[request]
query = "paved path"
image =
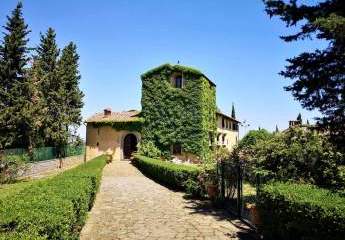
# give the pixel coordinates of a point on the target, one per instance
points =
(131, 206)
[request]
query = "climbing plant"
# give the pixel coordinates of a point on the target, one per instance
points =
(185, 116)
(135, 125)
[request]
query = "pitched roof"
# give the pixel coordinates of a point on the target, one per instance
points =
(224, 115)
(125, 116)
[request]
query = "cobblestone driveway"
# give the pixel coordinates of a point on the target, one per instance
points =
(131, 206)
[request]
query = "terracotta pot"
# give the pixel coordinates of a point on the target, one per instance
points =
(254, 214)
(212, 190)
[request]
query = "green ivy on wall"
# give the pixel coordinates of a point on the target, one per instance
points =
(185, 116)
(135, 125)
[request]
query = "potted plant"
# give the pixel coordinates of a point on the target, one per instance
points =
(209, 179)
(253, 213)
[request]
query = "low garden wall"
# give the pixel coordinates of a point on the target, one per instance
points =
(47, 167)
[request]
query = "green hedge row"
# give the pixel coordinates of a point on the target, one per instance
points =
(173, 175)
(301, 211)
(55, 208)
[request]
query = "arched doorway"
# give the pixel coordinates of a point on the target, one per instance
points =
(129, 145)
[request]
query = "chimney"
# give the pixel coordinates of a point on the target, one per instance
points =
(107, 112)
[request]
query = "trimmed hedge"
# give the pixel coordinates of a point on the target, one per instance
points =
(54, 208)
(173, 175)
(300, 211)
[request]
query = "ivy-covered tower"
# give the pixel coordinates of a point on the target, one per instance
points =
(179, 111)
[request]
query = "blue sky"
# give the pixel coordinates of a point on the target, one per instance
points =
(233, 42)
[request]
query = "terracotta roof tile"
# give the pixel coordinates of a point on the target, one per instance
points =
(126, 116)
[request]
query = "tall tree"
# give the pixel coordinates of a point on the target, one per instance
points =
(14, 85)
(319, 75)
(277, 129)
(233, 113)
(69, 76)
(53, 91)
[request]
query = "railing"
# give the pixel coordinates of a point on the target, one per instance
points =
(45, 153)
(238, 191)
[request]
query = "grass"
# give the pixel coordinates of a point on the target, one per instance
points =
(249, 193)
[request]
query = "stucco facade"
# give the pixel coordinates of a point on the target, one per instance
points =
(227, 131)
(112, 133)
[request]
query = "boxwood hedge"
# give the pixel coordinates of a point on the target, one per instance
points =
(176, 176)
(301, 211)
(54, 208)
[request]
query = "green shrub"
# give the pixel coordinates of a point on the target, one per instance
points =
(149, 149)
(11, 167)
(297, 154)
(177, 176)
(54, 208)
(253, 137)
(291, 211)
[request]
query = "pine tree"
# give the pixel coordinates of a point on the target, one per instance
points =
(69, 75)
(53, 92)
(14, 94)
(277, 130)
(233, 113)
(308, 122)
(299, 118)
(319, 75)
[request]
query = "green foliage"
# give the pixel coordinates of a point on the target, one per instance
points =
(129, 126)
(253, 137)
(14, 85)
(298, 211)
(185, 116)
(11, 166)
(54, 208)
(233, 113)
(177, 176)
(68, 74)
(149, 149)
(318, 75)
(41, 102)
(297, 154)
(222, 153)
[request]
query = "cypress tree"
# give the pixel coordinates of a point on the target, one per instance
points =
(233, 113)
(318, 75)
(53, 92)
(69, 75)
(277, 129)
(299, 118)
(14, 95)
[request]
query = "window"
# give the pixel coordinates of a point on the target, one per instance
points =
(176, 149)
(178, 81)
(97, 144)
(223, 123)
(235, 126)
(223, 139)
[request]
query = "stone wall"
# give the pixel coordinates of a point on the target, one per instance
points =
(50, 167)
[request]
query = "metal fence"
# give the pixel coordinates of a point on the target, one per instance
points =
(238, 190)
(46, 153)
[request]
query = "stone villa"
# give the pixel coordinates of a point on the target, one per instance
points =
(179, 115)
